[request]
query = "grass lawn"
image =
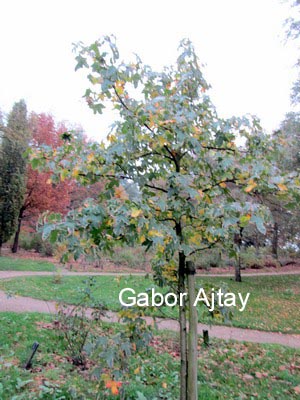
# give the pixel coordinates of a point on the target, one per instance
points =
(227, 370)
(274, 303)
(20, 264)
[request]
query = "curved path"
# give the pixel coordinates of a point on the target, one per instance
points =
(16, 274)
(28, 304)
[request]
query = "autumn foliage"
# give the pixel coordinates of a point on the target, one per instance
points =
(41, 194)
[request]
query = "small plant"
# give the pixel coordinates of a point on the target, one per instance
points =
(75, 323)
(57, 276)
(113, 353)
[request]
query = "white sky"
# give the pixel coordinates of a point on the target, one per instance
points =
(241, 42)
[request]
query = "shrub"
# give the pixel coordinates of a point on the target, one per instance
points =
(75, 323)
(210, 259)
(250, 259)
(34, 241)
(131, 257)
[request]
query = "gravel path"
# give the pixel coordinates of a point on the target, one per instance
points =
(27, 304)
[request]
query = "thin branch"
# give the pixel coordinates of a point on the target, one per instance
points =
(128, 109)
(156, 188)
(203, 248)
(168, 219)
(218, 148)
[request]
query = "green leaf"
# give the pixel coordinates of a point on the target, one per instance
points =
(258, 221)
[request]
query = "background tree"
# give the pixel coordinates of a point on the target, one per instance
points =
(41, 194)
(15, 137)
(170, 143)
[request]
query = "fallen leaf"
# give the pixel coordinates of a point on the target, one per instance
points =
(247, 377)
(297, 389)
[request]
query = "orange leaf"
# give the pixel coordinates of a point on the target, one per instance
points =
(120, 193)
(251, 186)
(113, 386)
(282, 187)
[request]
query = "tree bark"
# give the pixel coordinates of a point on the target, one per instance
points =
(192, 386)
(275, 241)
(15, 245)
(183, 330)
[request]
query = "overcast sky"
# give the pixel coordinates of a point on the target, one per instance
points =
(241, 43)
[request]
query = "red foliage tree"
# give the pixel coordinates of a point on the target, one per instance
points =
(41, 195)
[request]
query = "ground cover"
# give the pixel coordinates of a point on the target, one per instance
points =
(227, 370)
(273, 303)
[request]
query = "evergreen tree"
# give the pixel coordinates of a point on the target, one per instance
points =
(14, 141)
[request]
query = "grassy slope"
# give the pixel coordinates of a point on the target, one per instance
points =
(273, 304)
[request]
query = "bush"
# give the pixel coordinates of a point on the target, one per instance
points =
(209, 259)
(250, 259)
(131, 257)
(34, 241)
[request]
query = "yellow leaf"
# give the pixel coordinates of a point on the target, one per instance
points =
(137, 371)
(142, 239)
(91, 157)
(210, 239)
(161, 248)
(164, 385)
(75, 172)
(223, 185)
(63, 174)
(282, 187)
(161, 140)
(111, 138)
(136, 213)
(154, 232)
(120, 87)
(196, 239)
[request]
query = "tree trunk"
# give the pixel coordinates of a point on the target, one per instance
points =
(237, 272)
(183, 330)
(192, 387)
(275, 241)
(238, 242)
(15, 245)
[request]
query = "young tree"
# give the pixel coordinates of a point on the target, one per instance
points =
(182, 158)
(15, 137)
